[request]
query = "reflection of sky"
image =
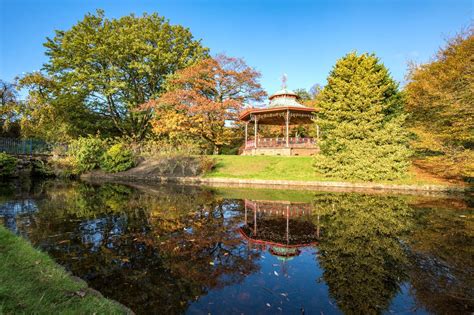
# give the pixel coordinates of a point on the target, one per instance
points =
(404, 302)
(278, 286)
(94, 231)
(10, 210)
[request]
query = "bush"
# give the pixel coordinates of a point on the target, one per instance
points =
(64, 166)
(87, 153)
(40, 168)
(118, 158)
(7, 165)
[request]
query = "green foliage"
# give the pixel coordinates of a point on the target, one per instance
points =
(41, 168)
(32, 283)
(9, 107)
(440, 98)
(116, 65)
(87, 153)
(53, 113)
(7, 165)
(362, 122)
(361, 254)
(117, 158)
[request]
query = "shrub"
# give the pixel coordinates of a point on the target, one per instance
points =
(206, 164)
(7, 165)
(118, 158)
(40, 168)
(87, 153)
(64, 166)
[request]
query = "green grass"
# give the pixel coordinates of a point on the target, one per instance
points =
(264, 167)
(265, 194)
(292, 168)
(32, 283)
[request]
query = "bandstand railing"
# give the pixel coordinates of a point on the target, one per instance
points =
(294, 142)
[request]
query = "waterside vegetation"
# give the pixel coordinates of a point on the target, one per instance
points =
(32, 283)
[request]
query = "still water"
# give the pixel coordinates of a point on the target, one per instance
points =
(182, 249)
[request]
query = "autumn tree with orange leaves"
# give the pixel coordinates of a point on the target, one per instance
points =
(202, 101)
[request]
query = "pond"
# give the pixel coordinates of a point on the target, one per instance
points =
(196, 250)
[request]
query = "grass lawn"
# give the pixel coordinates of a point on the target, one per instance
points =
(32, 283)
(294, 168)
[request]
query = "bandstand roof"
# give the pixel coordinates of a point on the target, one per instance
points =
(281, 102)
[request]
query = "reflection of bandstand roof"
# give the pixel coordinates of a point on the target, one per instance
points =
(279, 226)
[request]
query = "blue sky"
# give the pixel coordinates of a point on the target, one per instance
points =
(301, 38)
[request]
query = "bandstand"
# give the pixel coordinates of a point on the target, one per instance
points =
(282, 227)
(283, 110)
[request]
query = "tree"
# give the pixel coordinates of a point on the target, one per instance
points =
(54, 114)
(204, 99)
(303, 95)
(9, 104)
(362, 257)
(361, 117)
(119, 64)
(440, 99)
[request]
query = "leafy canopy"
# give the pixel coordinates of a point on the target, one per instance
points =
(362, 122)
(440, 99)
(202, 99)
(116, 65)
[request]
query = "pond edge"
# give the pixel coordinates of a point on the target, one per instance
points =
(278, 184)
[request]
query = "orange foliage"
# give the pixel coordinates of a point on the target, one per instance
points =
(202, 100)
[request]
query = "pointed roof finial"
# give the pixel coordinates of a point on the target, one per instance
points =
(284, 77)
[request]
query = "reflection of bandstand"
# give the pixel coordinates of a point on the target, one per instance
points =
(282, 227)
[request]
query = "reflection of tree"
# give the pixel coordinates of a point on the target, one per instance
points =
(171, 245)
(442, 255)
(360, 253)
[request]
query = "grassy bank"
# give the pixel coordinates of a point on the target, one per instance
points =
(32, 283)
(294, 168)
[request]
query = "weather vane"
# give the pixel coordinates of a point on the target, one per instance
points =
(284, 77)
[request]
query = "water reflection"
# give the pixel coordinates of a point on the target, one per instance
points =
(177, 249)
(281, 227)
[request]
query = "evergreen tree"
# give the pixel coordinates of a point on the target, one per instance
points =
(361, 254)
(361, 117)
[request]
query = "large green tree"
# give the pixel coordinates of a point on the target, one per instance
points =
(440, 99)
(360, 251)
(55, 114)
(9, 105)
(361, 117)
(119, 64)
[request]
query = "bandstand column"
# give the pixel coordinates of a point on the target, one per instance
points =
(246, 133)
(256, 129)
(287, 121)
